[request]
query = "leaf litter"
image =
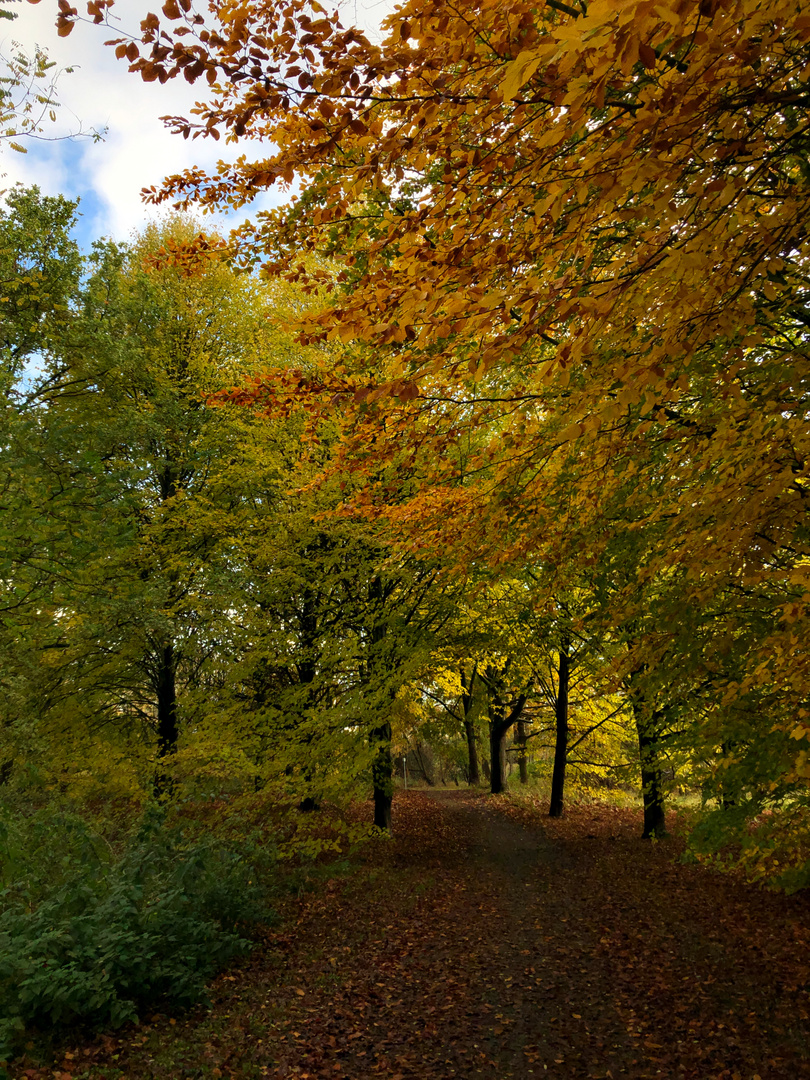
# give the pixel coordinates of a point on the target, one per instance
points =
(486, 940)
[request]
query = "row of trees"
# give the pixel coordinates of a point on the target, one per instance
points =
(558, 337)
(181, 598)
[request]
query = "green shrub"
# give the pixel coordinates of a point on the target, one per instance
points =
(91, 936)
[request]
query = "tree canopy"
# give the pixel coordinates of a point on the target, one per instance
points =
(564, 322)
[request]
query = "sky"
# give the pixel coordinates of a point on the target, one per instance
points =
(137, 150)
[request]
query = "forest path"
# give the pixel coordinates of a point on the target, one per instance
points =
(486, 941)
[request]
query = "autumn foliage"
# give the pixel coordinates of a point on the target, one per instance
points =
(484, 458)
(571, 281)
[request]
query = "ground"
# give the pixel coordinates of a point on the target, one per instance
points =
(488, 941)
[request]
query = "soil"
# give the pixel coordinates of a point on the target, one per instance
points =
(487, 941)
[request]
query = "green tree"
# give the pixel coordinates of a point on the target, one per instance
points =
(40, 271)
(127, 476)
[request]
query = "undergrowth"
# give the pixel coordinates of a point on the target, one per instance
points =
(91, 932)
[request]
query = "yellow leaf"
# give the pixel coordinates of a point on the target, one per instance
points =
(518, 73)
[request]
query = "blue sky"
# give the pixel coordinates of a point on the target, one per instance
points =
(137, 150)
(67, 169)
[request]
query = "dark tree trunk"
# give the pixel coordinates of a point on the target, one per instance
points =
(167, 730)
(485, 769)
(499, 725)
(382, 763)
(561, 742)
(473, 773)
(497, 758)
(651, 786)
(382, 772)
(523, 761)
(649, 725)
(467, 701)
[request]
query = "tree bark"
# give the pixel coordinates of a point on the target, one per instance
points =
(497, 757)
(561, 719)
(652, 790)
(382, 772)
(648, 726)
(467, 699)
(167, 729)
(523, 761)
(499, 725)
(382, 763)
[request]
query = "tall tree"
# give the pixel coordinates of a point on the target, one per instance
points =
(40, 268)
(128, 473)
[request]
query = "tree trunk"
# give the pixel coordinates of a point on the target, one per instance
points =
(167, 730)
(497, 757)
(523, 761)
(561, 743)
(467, 699)
(473, 773)
(382, 763)
(382, 772)
(649, 723)
(651, 785)
(499, 725)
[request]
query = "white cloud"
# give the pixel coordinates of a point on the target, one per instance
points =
(138, 150)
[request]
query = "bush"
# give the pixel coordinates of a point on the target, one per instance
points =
(90, 936)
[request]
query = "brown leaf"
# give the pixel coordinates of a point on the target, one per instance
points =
(647, 56)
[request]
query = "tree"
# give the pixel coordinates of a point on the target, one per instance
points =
(338, 628)
(468, 678)
(127, 472)
(40, 267)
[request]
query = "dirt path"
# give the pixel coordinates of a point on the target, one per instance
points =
(485, 943)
